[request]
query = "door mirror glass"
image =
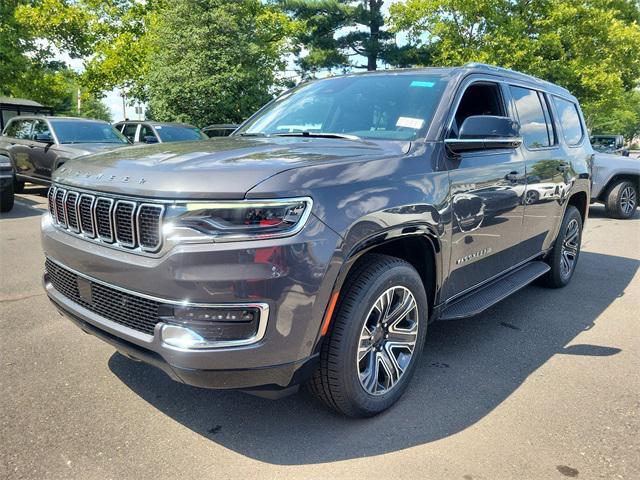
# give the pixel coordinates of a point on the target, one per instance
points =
(480, 132)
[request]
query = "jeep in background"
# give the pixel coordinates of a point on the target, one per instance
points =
(317, 243)
(36, 146)
(609, 144)
(157, 132)
(616, 183)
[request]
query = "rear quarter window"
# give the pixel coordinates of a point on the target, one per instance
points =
(569, 121)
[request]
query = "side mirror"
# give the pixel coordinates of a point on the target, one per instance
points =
(625, 153)
(150, 139)
(43, 138)
(481, 132)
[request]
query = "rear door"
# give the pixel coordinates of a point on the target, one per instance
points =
(546, 169)
(485, 201)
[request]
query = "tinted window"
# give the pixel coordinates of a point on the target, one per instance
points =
(19, 129)
(533, 123)
(70, 131)
(146, 131)
(570, 120)
(129, 131)
(40, 128)
(178, 133)
(385, 106)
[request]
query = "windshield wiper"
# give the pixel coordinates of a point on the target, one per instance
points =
(318, 135)
(252, 134)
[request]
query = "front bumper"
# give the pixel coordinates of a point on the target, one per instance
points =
(292, 276)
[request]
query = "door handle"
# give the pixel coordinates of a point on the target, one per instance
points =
(512, 176)
(563, 167)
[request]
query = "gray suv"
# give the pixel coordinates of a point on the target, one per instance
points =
(33, 147)
(317, 243)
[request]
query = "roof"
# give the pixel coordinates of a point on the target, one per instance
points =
(20, 101)
(154, 123)
(477, 68)
(50, 117)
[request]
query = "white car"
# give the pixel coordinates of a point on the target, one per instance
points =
(616, 182)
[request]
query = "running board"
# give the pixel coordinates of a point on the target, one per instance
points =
(487, 296)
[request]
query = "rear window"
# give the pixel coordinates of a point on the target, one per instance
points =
(569, 120)
(535, 130)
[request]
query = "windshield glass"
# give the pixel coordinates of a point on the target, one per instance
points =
(381, 106)
(70, 131)
(178, 133)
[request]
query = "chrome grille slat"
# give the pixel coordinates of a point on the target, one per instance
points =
(148, 220)
(102, 215)
(60, 216)
(121, 223)
(124, 223)
(71, 211)
(85, 211)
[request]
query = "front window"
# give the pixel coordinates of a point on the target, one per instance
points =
(70, 131)
(179, 133)
(381, 106)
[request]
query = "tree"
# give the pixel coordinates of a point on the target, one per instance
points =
(215, 61)
(340, 34)
(590, 47)
(111, 35)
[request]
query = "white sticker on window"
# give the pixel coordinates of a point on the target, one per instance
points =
(415, 123)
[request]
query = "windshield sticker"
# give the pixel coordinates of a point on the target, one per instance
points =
(422, 83)
(408, 122)
(158, 127)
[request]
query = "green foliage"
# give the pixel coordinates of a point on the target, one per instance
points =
(338, 33)
(111, 35)
(92, 107)
(215, 61)
(590, 47)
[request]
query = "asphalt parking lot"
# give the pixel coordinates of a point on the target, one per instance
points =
(544, 385)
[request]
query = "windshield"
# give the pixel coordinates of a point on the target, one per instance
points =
(70, 131)
(178, 133)
(603, 143)
(381, 106)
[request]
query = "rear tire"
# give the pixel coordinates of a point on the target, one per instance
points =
(621, 200)
(566, 250)
(6, 198)
(370, 354)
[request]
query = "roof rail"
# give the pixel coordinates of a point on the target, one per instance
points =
(486, 66)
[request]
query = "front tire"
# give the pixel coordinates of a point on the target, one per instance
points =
(621, 200)
(378, 334)
(566, 250)
(6, 198)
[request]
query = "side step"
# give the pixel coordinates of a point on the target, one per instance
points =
(487, 296)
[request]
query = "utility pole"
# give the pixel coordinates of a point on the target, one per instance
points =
(79, 100)
(124, 104)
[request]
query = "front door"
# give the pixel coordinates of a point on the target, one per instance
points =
(486, 201)
(42, 155)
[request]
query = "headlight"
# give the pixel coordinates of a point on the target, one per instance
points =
(230, 221)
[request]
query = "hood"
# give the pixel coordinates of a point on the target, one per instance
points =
(610, 161)
(79, 149)
(218, 168)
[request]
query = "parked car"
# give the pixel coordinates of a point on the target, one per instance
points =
(157, 132)
(36, 146)
(609, 144)
(220, 130)
(616, 183)
(281, 257)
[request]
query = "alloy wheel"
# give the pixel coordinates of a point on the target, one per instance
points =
(387, 340)
(628, 201)
(570, 247)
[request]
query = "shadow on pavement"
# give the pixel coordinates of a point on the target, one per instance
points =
(598, 211)
(468, 369)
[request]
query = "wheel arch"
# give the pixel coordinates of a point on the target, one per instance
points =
(580, 200)
(632, 177)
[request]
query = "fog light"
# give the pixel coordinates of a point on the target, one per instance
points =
(182, 337)
(209, 327)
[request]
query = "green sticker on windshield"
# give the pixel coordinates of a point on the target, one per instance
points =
(422, 83)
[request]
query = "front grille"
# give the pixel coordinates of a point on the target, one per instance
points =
(122, 223)
(72, 214)
(123, 308)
